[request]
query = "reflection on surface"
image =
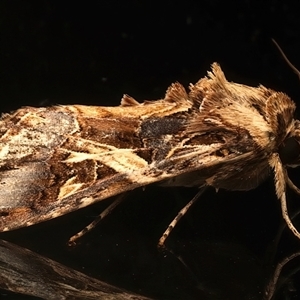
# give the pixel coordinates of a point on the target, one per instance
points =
(224, 248)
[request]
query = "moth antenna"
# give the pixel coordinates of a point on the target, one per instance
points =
(182, 212)
(286, 59)
(92, 225)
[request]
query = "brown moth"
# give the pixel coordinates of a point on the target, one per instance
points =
(54, 160)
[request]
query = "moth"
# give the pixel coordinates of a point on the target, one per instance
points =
(54, 160)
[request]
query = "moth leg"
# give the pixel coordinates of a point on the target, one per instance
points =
(281, 179)
(292, 186)
(92, 225)
(286, 217)
(271, 287)
(182, 212)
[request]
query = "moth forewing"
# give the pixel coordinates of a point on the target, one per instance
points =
(55, 160)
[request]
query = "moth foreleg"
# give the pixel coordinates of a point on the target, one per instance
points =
(286, 217)
(181, 213)
(281, 180)
(292, 186)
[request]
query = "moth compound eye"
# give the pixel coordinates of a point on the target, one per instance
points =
(289, 151)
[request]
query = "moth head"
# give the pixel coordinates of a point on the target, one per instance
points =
(289, 150)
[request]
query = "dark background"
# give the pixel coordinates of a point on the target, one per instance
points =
(62, 52)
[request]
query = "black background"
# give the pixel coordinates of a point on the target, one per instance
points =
(62, 52)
